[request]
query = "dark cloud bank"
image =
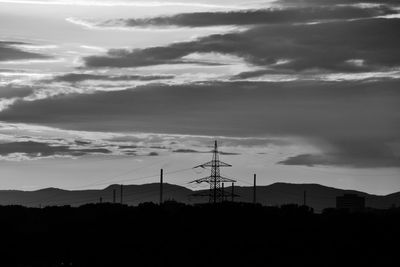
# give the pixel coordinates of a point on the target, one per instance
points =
(253, 17)
(11, 91)
(37, 149)
(354, 123)
(308, 3)
(10, 51)
(328, 47)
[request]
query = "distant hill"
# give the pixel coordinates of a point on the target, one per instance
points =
(318, 196)
(132, 195)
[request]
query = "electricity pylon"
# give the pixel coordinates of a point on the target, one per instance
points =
(215, 179)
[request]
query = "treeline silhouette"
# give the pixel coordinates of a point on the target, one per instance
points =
(175, 234)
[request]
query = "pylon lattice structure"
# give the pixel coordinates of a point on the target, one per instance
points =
(215, 179)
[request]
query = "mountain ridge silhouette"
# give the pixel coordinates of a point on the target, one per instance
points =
(318, 196)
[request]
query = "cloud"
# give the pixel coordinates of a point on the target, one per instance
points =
(80, 77)
(12, 91)
(352, 153)
(196, 151)
(302, 108)
(37, 149)
(127, 147)
(147, 57)
(24, 142)
(124, 3)
(362, 3)
(81, 142)
(229, 153)
(302, 47)
(332, 116)
(186, 151)
(253, 17)
(9, 51)
(349, 123)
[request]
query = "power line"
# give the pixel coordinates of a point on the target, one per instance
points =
(107, 180)
(143, 195)
(125, 180)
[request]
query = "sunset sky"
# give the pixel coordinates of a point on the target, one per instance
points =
(95, 92)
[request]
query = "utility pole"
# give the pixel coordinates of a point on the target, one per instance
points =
(215, 179)
(233, 192)
(255, 189)
(223, 192)
(122, 193)
(215, 189)
(161, 185)
(305, 198)
(114, 195)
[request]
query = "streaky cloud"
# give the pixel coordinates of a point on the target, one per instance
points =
(252, 17)
(360, 3)
(79, 77)
(351, 153)
(303, 46)
(39, 149)
(112, 3)
(9, 51)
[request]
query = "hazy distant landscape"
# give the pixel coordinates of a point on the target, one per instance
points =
(318, 197)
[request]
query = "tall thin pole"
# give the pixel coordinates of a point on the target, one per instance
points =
(215, 190)
(214, 164)
(122, 193)
(223, 192)
(161, 185)
(114, 195)
(233, 192)
(305, 198)
(255, 189)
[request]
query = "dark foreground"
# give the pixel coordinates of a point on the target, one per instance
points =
(229, 234)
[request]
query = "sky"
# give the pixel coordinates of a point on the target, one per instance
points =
(109, 91)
